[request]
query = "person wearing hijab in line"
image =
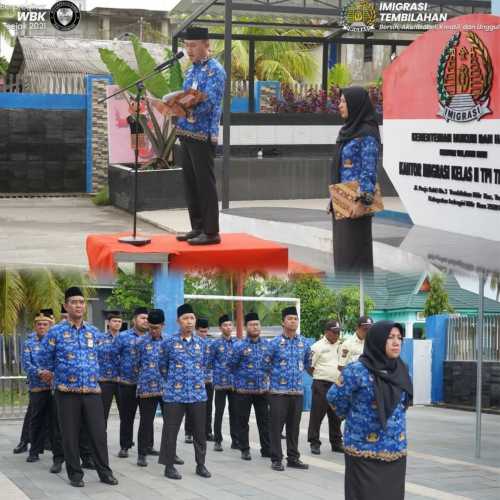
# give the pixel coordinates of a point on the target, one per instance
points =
(373, 394)
(358, 146)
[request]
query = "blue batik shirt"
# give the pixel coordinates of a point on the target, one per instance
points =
(109, 361)
(209, 373)
(203, 120)
(358, 162)
(71, 354)
(289, 358)
(32, 359)
(127, 349)
(149, 383)
(250, 365)
(182, 367)
(353, 398)
(221, 351)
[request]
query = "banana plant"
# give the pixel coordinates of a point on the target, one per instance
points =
(162, 137)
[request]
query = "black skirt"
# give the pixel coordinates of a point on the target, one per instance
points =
(353, 245)
(369, 479)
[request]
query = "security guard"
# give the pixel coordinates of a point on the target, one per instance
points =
(202, 331)
(324, 370)
(70, 360)
(127, 350)
(182, 365)
(250, 366)
(41, 405)
(290, 355)
(109, 362)
(352, 348)
(221, 351)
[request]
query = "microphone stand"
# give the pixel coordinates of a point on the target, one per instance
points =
(139, 85)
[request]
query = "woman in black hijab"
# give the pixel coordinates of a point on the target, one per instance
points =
(373, 394)
(358, 147)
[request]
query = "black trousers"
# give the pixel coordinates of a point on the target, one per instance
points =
(127, 409)
(109, 389)
(145, 434)
(319, 408)
(243, 405)
(172, 418)
(199, 184)
(286, 409)
(220, 405)
(188, 428)
(43, 421)
(76, 410)
(25, 432)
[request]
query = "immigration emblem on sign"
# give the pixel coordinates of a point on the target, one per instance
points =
(464, 78)
(359, 15)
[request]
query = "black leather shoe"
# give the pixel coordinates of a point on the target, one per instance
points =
(338, 447)
(32, 458)
(77, 483)
(277, 465)
(205, 239)
(187, 236)
(210, 437)
(245, 455)
(235, 446)
(178, 460)
(153, 452)
(88, 463)
(22, 447)
(171, 472)
(218, 447)
(111, 480)
(141, 461)
(123, 453)
(202, 471)
(56, 468)
(315, 449)
(188, 439)
(297, 464)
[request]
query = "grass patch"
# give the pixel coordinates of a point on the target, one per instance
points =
(101, 198)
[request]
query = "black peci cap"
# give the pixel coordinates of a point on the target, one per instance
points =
(184, 309)
(289, 311)
(72, 291)
(201, 323)
(195, 33)
(156, 317)
(251, 316)
(140, 310)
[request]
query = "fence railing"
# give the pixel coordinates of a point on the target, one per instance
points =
(462, 338)
(239, 88)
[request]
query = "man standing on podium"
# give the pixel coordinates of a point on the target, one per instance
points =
(198, 132)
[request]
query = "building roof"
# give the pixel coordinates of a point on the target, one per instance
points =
(392, 291)
(77, 56)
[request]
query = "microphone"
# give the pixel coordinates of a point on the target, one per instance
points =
(170, 61)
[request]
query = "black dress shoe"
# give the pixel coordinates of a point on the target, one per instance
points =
(178, 460)
(245, 455)
(32, 458)
(277, 465)
(56, 467)
(188, 439)
(235, 446)
(315, 449)
(123, 453)
(202, 471)
(88, 463)
(205, 239)
(210, 437)
(338, 447)
(153, 452)
(171, 472)
(218, 447)
(22, 447)
(297, 464)
(111, 480)
(187, 236)
(77, 483)
(141, 461)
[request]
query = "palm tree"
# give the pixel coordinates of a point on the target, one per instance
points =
(288, 62)
(7, 16)
(24, 292)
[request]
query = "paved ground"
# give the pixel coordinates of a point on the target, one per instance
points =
(440, 466)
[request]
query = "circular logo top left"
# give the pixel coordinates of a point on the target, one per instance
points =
(65, 15)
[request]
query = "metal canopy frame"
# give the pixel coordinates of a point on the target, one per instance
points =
(295, 13)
